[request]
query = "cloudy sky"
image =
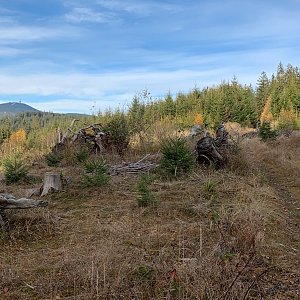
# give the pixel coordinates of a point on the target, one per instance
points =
(87, 55)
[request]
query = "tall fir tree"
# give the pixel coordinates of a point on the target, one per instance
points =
(262, 91)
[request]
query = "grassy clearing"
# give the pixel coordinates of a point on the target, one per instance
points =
(213, 235)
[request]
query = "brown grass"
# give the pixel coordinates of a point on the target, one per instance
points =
(97, 244)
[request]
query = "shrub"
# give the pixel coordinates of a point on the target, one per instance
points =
(287, 120)
(117, 133)
(95, 173)
(82, 155)
(53, 159)
(177, 158)
(14, 170)
(146, 196)
(266, 132)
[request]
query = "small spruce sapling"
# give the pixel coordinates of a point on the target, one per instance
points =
(177, 158)
(14, 170)
(96, 173)
(146, 197)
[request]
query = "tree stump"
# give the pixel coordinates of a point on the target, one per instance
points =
(213, 150)
(207, 151)
(52, 180)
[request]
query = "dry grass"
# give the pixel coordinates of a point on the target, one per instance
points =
(278, 165)
(197, 244)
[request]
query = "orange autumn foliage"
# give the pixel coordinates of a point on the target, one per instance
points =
(266, 115)
(18, 136)
(199, 119)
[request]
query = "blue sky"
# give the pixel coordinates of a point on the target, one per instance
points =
(87, 55)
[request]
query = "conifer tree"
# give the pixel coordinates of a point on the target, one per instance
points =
(136, 115)
(170, 106)
(262, 91)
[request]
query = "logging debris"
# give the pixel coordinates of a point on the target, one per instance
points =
(94, 136)
(132, 168)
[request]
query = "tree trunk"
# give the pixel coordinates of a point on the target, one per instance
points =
(51, 181)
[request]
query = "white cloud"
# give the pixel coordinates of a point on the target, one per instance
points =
(12, 52)
(80, 85)
(18, 33)
(86, 106)
(83, 14)
(137, 7)
(183, 73)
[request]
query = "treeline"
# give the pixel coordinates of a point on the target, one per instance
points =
(33, 122)
(277, 97)
(229, 101)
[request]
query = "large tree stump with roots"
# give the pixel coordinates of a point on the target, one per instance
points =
(52, 180)
(213, 150)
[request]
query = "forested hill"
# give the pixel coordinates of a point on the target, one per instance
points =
(13, 108)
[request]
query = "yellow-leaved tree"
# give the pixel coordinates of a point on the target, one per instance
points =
(199, 119)
(266, 116)
(18, 137)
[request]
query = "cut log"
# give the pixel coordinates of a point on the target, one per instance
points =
(8, 201)
(52, 180)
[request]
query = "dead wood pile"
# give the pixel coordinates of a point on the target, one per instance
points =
(132, 168)
(141, 166)
(93, 136)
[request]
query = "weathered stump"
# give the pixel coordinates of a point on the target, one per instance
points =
(212, 150)
(52, 180)
(208, 152)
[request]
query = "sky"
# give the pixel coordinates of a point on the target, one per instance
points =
(87, 56)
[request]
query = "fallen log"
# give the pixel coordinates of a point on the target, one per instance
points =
(8, 201)
(90, 134)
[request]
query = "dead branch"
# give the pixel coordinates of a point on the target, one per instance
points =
(238, 275)
(256, 279)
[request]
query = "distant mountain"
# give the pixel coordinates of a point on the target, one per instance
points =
(13, 108)
(16, 108)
